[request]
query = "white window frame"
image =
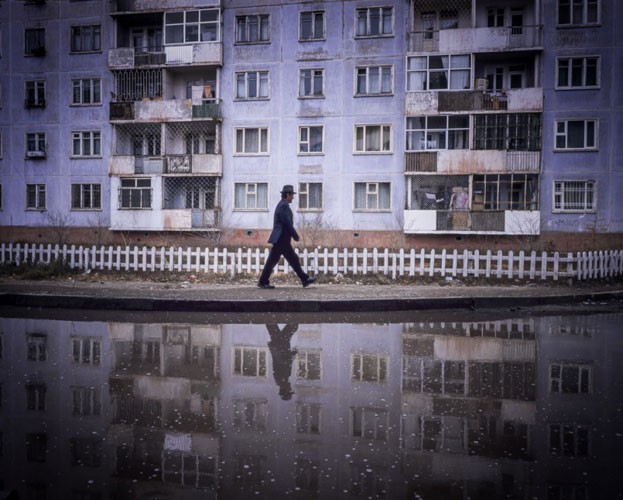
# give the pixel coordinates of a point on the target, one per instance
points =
(426, 71)
(308, 418)
(88, 91)
(250, 192)
(561, 133)
(362, 143)
(36, 347)
(584, 370)
(372, 192)
(369, 423)
(306, 358)
(86, 144)
(305, 196)
(306, 142)
(365, 80)
(584, 189)
(569, 6)
(86, 196)
(249, 88)
(569, 72)
(308, 79)
(240, 141)
(244, 33)
(561, 432)
(86, 401)
(36, 397)
(431, 135)
(34, 93)
(369, 367)
(135, 193)
(366, 22)
(86, 350)
(36, 144)
(313, 36)
(40, 196)
(249, 414)
(242, 365)
(85, 38)
(185, 24)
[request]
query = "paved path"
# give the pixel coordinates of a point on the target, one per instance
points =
(323, 297)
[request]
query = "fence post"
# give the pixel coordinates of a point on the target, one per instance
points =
(488, 264)
(522, 257)
(431, 271)
(556, 264)
(465, 264)
(355, 262)
(477, 263)
(511, 265)
(544, 265)
(394, 266)
(401, 262)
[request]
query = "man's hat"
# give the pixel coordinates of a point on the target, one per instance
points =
(288, 188)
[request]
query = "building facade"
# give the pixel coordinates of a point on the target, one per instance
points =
(407, 123)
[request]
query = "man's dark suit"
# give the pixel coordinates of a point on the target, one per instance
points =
(281, 236)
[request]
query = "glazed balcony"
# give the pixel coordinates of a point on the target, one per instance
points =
(204, 53)
(129, 6)
(468, 161)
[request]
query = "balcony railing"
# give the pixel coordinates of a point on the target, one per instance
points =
(121, 111)
(208, 109)
(421, 162)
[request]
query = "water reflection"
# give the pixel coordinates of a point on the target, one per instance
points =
(526, 408)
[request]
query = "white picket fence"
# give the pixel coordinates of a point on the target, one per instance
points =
(432, 263)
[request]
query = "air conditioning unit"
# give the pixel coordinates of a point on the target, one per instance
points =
(35, 154)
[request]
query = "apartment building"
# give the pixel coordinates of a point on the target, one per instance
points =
(404, 123)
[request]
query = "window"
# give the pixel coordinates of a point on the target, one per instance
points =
(311, 25)
(35, 397)
(250, 361)
(577, 72)
(86, 350)
(576, 134)
(311, 139)
(311, 83)
(250, 414)
(437, 72)
(575, 196)
(374, 80)
(253, 29)
(373, 138)
(86, 144)
(35, 197)
(578, 12)
(36, 145)
(505, 192)
(251, 196)
(86, 38)
(192, 26)
(147, 144)
(36, 347)
(252, 85)
(369, 368)
(251, 140)
(437, 132)
(308, 362)
(310, 196)
(373, 196)
(369, 423)
(422, 374)
(86, 451)
(375, 21)
(570, 378)
(512, 131)
(308, 418)
(86, 196)
(569, 440)
(36, 447)
(35, 94)
(135, 194)
(34, 42)
(86, 401)
(495, 17)
(86, 91)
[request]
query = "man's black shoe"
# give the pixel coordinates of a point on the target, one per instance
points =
(309, 281)
(265, 286)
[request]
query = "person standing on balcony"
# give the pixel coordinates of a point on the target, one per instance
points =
(281, 238)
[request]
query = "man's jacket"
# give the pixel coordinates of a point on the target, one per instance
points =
(283, 225)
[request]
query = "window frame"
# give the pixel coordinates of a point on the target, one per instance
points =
(313, 22)
(564, 135)
(367, 77)
(309, 141)
(446, 131)
(40, 143)
(585, 12)
(191, 31)
(80, 138)
(243, 34)
(369, 19)
(569, 72)
(34, 42)
(86, 196)
(367, 185)
(263, 141)
(39, 191)
(145, 193)
(556, 382)
(247, 193)
(304, 196)
(587, 191)
(34, 93)
(79, 86)
(80, 35)
(386, 131)
(314, 75)
(449, 70)
(261, 76)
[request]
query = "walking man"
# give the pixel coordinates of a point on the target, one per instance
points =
(280, 237)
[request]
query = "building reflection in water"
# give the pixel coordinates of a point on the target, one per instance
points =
(519, 408)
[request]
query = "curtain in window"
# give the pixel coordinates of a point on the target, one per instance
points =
(415, 133)
(315, 196)
(373, 139)
(360, 195)
(438, 72)
(460, 78)
(416, 73)
(384, 196)
(251, 140)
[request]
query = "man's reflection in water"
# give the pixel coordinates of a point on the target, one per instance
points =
(282, 355)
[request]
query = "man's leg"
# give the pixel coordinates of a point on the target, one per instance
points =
(271, 262)
(295, 264)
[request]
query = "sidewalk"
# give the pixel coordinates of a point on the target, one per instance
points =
(322, 297)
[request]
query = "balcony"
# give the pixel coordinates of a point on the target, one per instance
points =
(195, 164)
(468, 161)
(207, 53)
(440, 101)
(474, 40)
(118, 6)
(509, 222)
(159, 110)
